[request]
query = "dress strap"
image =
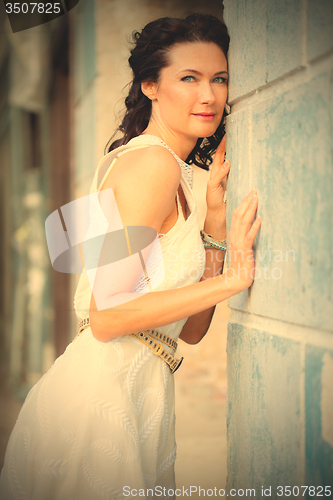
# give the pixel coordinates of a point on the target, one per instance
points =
(104, 167)
(180, 208)
(141, 141)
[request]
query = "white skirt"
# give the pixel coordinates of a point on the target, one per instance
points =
(99, 423)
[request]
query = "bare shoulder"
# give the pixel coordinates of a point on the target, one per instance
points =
(155, 164)
(145, 185)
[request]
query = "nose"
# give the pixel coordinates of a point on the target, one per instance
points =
(207, 95)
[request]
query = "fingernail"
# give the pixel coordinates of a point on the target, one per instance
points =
(226, 164)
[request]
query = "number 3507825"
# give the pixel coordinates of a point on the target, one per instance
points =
(31, 7)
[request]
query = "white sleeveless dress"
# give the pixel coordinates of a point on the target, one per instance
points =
(101, 421)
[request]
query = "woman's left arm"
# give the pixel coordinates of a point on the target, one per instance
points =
(215, 224)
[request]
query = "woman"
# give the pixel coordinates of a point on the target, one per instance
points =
(100, 423)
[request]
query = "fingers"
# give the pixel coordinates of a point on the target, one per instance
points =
(219, 172)
(247, 219)
(242, 218)
(244, 204)
(254, 230)
(241, 239)
(219, 160)
(224, 183)
(220, 151)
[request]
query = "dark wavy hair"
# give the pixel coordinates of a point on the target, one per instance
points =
(149, 56)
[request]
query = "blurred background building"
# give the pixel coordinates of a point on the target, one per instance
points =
(62, 89)
(62, 86)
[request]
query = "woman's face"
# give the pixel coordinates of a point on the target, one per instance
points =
(191, 93)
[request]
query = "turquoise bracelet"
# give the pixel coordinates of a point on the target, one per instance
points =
(209, 242)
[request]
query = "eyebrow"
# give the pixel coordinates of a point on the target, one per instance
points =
(198, 72)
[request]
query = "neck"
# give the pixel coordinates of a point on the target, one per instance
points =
(181, 144)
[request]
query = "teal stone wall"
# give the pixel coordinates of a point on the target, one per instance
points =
(280, 334)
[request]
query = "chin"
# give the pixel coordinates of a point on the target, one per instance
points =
(206, 131)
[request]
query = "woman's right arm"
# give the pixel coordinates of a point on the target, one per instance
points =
(145, 197)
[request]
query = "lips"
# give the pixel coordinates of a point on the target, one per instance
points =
(204, 116)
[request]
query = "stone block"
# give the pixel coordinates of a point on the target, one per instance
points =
(246, 22)
(264, 422)
(319, 28)
(291, 138)
(266, 42)
(284, 37)
(319, 416)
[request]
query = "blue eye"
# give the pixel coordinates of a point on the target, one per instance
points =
(188, 78)
(220, 79)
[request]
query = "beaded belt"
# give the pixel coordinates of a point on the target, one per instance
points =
(149, 338)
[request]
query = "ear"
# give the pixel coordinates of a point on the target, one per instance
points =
(149, 88)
